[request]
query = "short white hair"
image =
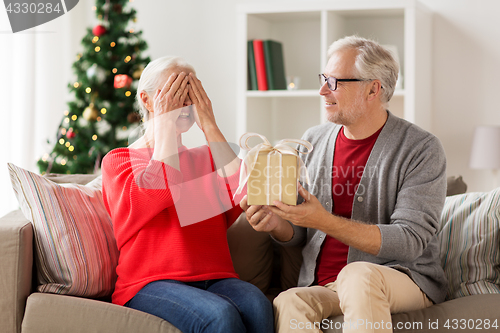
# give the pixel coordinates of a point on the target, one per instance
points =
(152, 76)
(373, 61)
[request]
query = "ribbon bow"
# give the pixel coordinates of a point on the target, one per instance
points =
(280, 148)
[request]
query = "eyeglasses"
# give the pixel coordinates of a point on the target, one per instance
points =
(332, 81)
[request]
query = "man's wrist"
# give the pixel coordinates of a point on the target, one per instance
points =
(283, 232)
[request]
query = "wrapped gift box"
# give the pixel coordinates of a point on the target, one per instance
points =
(271, 173)
(273, 177)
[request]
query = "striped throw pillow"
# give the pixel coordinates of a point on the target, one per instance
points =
(470, 243)
(75, 249)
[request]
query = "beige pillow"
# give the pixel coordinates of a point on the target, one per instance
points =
(252, 253)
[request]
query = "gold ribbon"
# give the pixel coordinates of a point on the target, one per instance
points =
(280, 148)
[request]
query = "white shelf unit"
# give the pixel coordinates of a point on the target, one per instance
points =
(306, 30)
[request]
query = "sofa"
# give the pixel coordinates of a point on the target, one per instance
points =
(471, 305)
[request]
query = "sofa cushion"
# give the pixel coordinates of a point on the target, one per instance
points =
(455, 185)
(47, 313)
(256, 257)
(470, 243)
(75, 249)
(290, 263)
(478, 313)
(251, 252)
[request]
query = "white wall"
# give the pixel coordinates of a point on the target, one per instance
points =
(466, 80)
(466, 60)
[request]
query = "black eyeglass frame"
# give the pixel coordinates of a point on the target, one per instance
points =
(323, 78)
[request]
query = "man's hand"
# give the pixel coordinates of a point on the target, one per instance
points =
(263, 220)
(309, 214)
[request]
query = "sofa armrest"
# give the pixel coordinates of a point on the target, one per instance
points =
(16, 262)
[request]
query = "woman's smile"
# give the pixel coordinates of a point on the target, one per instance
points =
(185, 112)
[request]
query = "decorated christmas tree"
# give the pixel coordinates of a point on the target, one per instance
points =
(102, 114)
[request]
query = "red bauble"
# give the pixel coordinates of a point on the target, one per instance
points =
(70, 134)
(122, 81)
(99, 30)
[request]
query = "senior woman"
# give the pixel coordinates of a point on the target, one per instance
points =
(171, 207)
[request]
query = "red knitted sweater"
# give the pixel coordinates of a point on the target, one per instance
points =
(149, 200)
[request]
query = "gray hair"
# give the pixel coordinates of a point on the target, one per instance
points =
(152, 76)
(373, 61)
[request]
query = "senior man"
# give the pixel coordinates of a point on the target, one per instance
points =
(369, 218)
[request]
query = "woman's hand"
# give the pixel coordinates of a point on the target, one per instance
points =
(204, 114)
(173, 94)
(167, 106)
(226, 161)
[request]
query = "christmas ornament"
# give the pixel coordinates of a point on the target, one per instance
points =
(99, 30)
(137, 73)
(90, 113)
(122, 81)
(70, 134)
(133, 117)
(96, 72)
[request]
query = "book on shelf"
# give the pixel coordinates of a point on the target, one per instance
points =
(260, 64)
(252, 73)
(275, 67)
(266, 68)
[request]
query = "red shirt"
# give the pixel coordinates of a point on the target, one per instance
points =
(348, 165)
(149, 200)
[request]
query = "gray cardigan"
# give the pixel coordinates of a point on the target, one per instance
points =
(402, 191)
